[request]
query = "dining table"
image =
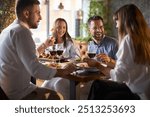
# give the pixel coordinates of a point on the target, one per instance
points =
(81, 75)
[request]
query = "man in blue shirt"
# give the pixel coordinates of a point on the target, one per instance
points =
(106, 47)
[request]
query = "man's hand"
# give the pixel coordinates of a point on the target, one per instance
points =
(69, 68)
(95, 63)
(104, 58)
(91, 62)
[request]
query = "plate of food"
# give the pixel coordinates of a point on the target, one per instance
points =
(45, 59)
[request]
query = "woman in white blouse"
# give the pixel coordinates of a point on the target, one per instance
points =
(132, 70)
(62, 37)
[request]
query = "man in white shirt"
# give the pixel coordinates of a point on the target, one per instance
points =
(18, 60)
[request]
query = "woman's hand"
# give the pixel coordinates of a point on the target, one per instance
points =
(95, 63)
(49, 42)
(91, 62)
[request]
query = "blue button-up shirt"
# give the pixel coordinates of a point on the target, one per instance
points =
(108, 46)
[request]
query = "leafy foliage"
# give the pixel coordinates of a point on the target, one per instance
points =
(97, 7)
(7, 13)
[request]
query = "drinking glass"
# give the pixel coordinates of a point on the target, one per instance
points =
(53, 52)
(92, 48)
(60, 49)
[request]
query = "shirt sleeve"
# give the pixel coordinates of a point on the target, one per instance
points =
(74, 51)
(71, 51)
(124, 61)
(26, 51)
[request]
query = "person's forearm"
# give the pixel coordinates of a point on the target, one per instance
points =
(60, 73)
(103, 69)
(41, 48)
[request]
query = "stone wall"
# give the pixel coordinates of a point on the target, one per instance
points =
(7, 13)
(113, 5)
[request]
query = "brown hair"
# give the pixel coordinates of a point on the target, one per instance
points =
(132, 22)
(66, 36)
(95, 17)
(23, 4)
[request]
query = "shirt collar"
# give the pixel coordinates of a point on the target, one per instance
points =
(97, 42)
(23, 24)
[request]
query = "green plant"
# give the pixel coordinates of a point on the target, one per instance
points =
(7, 13)
(81, 38)
(97, 7)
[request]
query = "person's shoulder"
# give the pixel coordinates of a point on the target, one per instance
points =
(111, 39)
(127, 39)
(15, 28)
(12, 28)
(70, 40)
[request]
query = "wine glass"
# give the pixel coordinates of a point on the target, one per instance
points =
(60, 49)
(53, 52)
(92, 49)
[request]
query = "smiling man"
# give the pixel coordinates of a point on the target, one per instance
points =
(18, 59)
(106, 45)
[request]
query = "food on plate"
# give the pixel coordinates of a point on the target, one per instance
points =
(83, 64)
(54, 65)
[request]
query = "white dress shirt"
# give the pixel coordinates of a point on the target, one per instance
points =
(136, 76)
(18, 61)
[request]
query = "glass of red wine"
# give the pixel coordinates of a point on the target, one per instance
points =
(91, 55)
(53, 52)
(91, 52)
(60, 49)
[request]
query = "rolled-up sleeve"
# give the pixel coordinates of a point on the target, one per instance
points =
(124, 62)
(27, 53)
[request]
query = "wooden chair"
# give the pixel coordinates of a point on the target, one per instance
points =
(3, 96)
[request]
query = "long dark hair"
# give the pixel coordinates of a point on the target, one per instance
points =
(132, 22)
(66, 37)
